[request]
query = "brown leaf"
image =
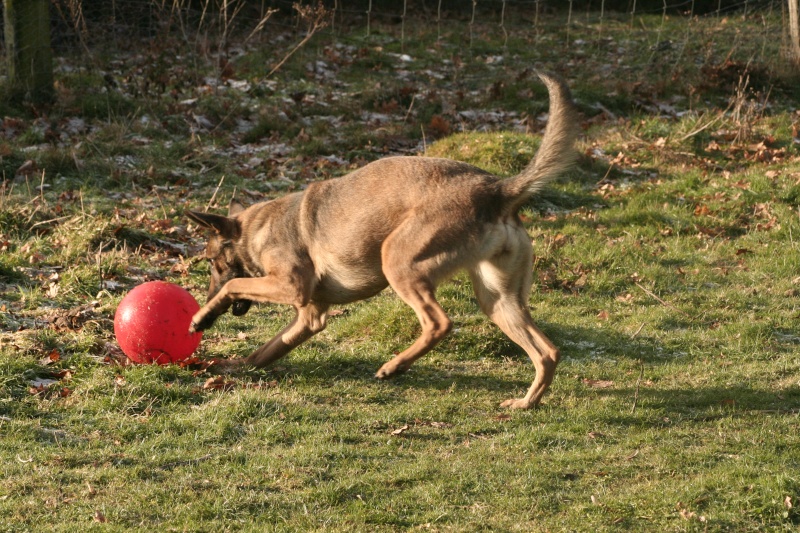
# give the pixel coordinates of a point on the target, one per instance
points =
(598, 383)
(63, 374)
(626, 298)
(100, 517)
(400, 430)
(263, 385)
(580, 282)
(36, 390)
(218, 383)
(702, 210)
(631, 455)
(27, 168)
(439, 126)
(603, 315)
(53, 357)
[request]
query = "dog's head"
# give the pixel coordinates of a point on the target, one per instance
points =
(221, 251)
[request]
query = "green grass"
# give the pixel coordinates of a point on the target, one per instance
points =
(666, 270)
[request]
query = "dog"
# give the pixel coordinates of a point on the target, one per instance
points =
(407, 222)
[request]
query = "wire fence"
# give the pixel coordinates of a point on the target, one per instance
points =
(93, 29)
(84, 23)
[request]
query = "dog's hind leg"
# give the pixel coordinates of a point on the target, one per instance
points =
(418, 293)
(502, 293)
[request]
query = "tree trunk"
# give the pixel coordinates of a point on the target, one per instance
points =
(794, 31)
(28, 52)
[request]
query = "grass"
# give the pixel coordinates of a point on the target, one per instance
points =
(666, 271)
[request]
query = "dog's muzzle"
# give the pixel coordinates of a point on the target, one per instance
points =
(241, 307)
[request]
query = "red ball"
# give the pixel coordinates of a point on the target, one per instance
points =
(152, 323)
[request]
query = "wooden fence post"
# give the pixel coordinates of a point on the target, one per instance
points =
(28, 53)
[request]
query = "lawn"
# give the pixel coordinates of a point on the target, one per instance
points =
(666, 270)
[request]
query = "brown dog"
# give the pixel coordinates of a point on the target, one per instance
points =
(408, 222)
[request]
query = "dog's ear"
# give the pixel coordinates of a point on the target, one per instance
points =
(234, 208)
(227, 228)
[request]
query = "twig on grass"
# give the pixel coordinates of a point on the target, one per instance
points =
(41, 189)
(641, 372)
(215, 193)
(665, 304)
(186, 462)
(638, 382)
(50, 221)
(707, 125)
(635, 333)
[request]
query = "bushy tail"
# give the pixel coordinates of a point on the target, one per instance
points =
(557, 151)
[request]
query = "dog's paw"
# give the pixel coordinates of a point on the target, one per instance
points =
(517, 403)
(382, 374)
(201, 321)
(390, 369)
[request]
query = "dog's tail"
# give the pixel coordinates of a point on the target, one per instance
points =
(556, 153)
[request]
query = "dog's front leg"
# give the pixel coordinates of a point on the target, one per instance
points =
(310, 319)
(290, 290)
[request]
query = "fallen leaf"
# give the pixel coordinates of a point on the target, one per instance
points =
(400, 430)
(100, 517)
(263, 385)
(63, 374)
(27, 168)
(701, 210)
(218, 383)
(598, 383)
(53, 357)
